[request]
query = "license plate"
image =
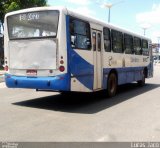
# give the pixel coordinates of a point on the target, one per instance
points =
(31, 72)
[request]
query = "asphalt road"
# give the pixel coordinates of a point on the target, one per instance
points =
(133, 115)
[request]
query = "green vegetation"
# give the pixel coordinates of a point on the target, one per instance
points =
(1, 68)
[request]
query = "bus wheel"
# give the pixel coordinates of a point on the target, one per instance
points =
(142, 82)
(112, 85)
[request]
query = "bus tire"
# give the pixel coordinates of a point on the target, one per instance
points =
(112, 85)
(142, 82)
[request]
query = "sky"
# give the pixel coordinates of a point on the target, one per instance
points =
(133, 15)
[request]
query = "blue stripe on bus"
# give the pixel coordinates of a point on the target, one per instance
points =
(81, 70)
(125, 75)
(77, 66)
(60, 82)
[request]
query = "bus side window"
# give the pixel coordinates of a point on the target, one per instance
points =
(107, 41)
(99, 42)
(117, 41)
(145, 48)
(80, 34)
(73, 37)
(128, 44)
(137, 46)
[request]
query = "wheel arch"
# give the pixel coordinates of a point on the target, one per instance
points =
(115, 72)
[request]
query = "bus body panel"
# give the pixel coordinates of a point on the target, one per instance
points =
(80, 66)
(33, 54)
(129, 67)
(81, 70)
(44, 55)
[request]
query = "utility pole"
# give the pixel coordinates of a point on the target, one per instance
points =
(109, 6)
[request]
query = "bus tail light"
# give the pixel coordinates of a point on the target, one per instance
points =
(61, 68)
(61, 62)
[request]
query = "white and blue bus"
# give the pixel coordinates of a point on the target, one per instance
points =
(53, 48)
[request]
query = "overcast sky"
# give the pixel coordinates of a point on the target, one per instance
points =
(130, 14)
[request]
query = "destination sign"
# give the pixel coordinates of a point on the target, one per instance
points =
(29, 16)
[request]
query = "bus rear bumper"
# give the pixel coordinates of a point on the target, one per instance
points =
(56, 83)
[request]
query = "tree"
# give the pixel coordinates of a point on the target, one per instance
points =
(12, 5)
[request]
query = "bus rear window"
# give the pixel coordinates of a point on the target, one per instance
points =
(33, 25)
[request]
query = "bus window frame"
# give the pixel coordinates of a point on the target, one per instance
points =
(126, 43)
(74, 34)
(30, 38)
(107, 40)
(136, 47)
(115, 34)
(144, 51)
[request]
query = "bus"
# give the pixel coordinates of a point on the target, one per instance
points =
(56, 49)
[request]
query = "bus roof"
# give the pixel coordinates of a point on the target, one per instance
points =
(83, 17)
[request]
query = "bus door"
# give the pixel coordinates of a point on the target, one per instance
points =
(97, 58)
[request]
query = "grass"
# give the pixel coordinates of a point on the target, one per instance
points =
(1, 68)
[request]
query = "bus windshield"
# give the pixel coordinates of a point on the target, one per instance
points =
(39, 24)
